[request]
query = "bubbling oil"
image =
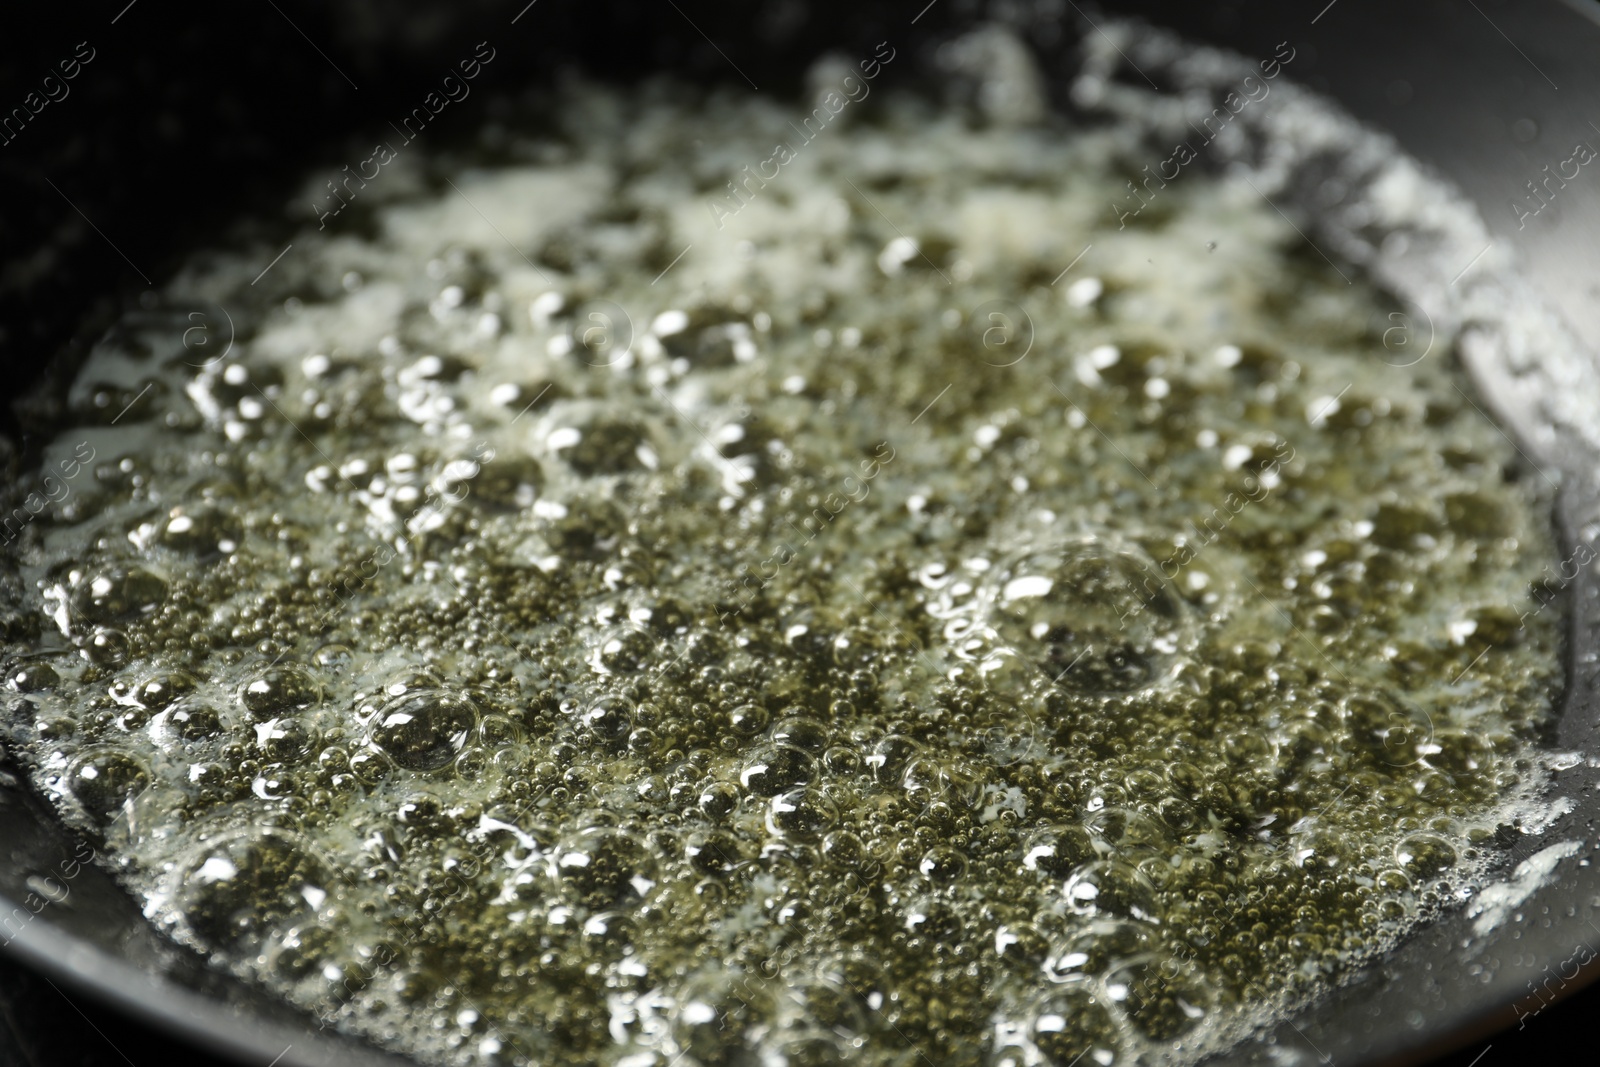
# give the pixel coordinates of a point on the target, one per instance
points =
(532, 643)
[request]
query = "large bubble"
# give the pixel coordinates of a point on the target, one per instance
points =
(424, 729)
(1093, 619)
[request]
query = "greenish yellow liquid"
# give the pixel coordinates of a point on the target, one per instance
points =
(889, 656)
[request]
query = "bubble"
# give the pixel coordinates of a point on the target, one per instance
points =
(421, 812)
(860, 647)
(369, 765)
(1056, 851)
(800, 731)
(801, 813)
(160, 690)
(1177, 813)
(1071, 1024)
(118, 593)
(1122, 828)
(1111, 887)
(134, 718)
(604, 867)
(714, 1016)
(1393, 731)
(1092, 619)
(284, 740)
(627, 649)
(280, 690)
(424, 729)
(1425, 855)
(1161, 998)
(497, 732)
(108, 648)
(102, 782)
(1102, 945)
(927, 780)
(1319, 849)
(842, 761)
(472, 765)
(845, 850)
(887, 758)
(201, 530)
(932, 917)
(1404, 526)
(1392, 881)
(1463, 753)
(718, 799)
(333, 656)
(943, 864)
(193, 722)
(1004, 670)
(813, 1047)
(824, 1000)
(609, 720)
(772, 768)
(234, 889)
(1022, 942)
(747, 720)
(713, 851)
(608, 932)
(34, 678)
(1010, 744)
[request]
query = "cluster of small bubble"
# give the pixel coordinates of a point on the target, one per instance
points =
(496, 717)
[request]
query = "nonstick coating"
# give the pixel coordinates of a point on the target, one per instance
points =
(188, 119)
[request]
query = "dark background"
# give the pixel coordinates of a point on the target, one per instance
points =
(192, 116)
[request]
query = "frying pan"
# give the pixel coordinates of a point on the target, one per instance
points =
(186, 120)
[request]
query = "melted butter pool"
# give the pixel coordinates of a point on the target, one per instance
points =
(539, 641)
